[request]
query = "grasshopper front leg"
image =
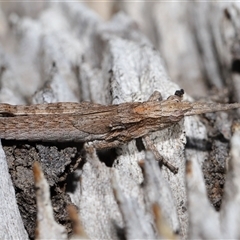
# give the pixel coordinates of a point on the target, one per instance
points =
(150, 146)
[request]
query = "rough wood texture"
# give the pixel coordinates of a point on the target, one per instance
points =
(68, 53)
(11, 226)
(46, 225)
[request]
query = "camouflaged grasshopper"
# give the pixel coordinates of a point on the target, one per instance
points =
(104, 126)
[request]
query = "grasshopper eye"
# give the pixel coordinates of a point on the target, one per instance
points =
(179, 93)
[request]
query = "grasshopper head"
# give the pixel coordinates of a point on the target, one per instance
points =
(172, 109)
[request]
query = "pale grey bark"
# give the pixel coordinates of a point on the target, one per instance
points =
(46, 225)
(230, 218)
(11, 226)
(68, 53)
(203, 219)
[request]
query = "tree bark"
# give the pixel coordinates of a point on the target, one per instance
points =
(66, 52)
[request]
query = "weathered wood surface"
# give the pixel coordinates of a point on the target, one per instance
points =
(68, 53)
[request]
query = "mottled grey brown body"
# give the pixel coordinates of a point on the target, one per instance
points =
(84, 122)
(104, 126)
